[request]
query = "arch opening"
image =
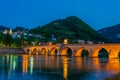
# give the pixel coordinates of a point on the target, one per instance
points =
(66, 52)
(28, 50)
(54, 51)
(119, 55)
(39, 52)
(103, 53)
(43, 51)
(34, 51)
(69, 52)
(84, 53)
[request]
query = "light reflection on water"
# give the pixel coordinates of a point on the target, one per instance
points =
(24, 67)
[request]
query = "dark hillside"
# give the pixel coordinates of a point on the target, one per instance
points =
(71, 28)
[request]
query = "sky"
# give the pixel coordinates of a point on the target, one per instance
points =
(32, 13)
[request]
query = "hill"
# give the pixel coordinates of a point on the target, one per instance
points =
(112, 33)
(2, 28)
(71, 28)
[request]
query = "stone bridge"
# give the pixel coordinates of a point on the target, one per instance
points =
(93, 50)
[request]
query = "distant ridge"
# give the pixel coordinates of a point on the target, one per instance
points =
(2, 28)
(112, 33)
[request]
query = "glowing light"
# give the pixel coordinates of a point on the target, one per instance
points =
(11, 62)
(65, 41)
(14, 65)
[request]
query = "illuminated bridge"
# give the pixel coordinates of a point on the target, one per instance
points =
(91, 50)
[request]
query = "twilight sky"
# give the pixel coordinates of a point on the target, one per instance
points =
(31, 13)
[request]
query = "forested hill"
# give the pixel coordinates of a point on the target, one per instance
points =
(112, 33)
(2, 28)
(71, 28)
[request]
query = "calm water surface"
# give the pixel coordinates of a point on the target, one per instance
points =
(24, 67)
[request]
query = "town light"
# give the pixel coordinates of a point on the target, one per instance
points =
(65, 41)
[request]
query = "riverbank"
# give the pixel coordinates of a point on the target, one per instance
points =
(11, 51)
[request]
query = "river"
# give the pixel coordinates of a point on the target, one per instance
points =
(25, 67)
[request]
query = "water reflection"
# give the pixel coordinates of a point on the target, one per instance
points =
(25, 63)
(31, 64)
(25, 67)
(65, 68)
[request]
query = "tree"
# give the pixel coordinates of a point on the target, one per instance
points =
(7, 39)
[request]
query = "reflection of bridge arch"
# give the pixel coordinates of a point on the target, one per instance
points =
(66, 52)
(54, 51)
(43, 51)
(80, 52)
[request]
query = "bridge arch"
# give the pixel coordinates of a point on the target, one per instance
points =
(54, 51)
(82, 52)
(34, 51)
(43, 51)
(66, 52)
(103, 53)
(99, 52)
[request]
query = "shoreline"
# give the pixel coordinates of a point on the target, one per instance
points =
(114, 77)
(11, 51)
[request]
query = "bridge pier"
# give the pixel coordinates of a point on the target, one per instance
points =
(114, 53)
(30, 52)
(92, 55)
